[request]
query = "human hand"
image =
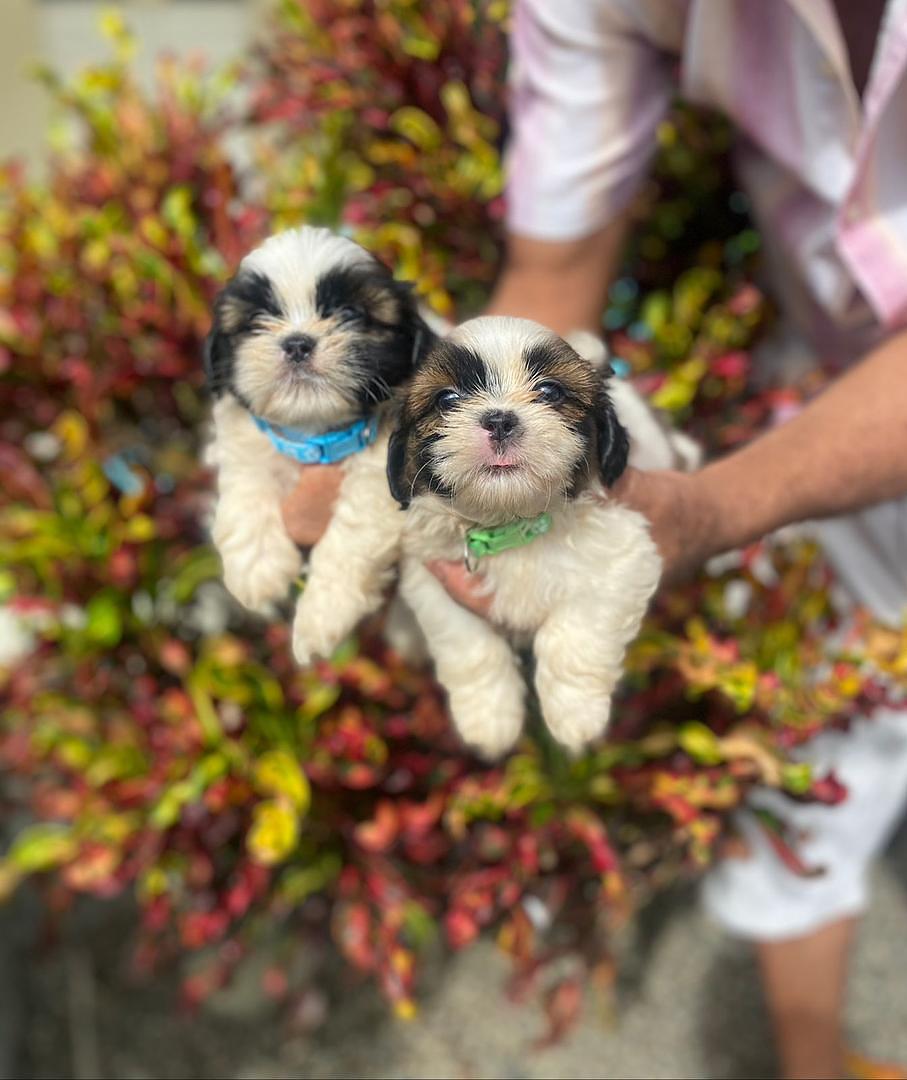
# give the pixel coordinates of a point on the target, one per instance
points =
(307, 509)
(468, 589)
(683, 519)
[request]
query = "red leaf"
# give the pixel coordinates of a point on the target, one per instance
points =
(379, 834)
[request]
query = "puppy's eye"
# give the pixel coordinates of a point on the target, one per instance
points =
(349, 314)
(447, 398)
(550, 392)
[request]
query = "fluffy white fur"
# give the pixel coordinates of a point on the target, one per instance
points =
(348, 570)
(578, 593)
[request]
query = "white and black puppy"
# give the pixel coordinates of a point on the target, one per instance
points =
(505, 448)
(310, 340)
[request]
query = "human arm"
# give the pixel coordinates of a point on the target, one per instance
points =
(845, 451)
(589, 86)
(561, 284)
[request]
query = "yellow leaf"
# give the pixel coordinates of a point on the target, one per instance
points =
(417, 126)
(139, 529)
(405, 1009)
(72, 430)
(274, 832)
(277, 772)
(111, 24)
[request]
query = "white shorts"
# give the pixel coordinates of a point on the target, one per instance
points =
(758, 897)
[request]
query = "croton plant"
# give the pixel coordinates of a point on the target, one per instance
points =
(156, 739)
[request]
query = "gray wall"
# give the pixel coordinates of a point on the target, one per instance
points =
(65, 34)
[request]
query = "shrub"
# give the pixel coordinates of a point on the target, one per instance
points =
(165, 744)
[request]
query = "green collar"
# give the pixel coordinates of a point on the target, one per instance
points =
(497, 538)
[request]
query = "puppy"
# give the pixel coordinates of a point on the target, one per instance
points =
(309, 342)
(507, 443)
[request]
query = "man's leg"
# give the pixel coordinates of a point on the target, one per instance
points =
(803, 926)
(805, 983)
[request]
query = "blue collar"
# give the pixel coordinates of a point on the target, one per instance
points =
(320, 449)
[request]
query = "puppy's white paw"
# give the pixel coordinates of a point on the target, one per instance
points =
(403, 634)
(320, 627)
(304, 651)
(260, 573)
(489, 723)
(575, 719)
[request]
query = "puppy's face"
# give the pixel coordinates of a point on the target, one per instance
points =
(504, 419)
(312, 332)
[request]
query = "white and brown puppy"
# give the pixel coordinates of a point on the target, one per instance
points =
(310, 340)
(506, 431)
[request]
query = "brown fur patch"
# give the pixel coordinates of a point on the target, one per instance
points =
(555, 359)
(381, 303)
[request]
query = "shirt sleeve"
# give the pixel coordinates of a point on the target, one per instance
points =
(589, 88)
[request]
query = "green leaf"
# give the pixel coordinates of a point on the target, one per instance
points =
(299, 883)
(797, 778)
(105, 623)
(198, 566)
(170, 805)
(41, 847)
(701, 743)
(318, 700)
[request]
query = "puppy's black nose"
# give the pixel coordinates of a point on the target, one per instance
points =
(298, 347)
(500, 424)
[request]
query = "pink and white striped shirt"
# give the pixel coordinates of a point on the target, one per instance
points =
(826, 171)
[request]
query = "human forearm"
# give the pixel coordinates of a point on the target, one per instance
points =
(846, 450)
(559, 284)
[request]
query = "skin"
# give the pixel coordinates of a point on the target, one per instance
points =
(804, 980)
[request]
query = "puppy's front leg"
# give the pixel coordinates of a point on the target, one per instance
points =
(579, 654)
(474, 664)
(352, 565)
(260, 560)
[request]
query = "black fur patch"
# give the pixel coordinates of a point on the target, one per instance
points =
(249, 294)
(467, 369)
(449, 365)
(408, 480)
(612, 441)
(396, 466)
(255, 293)
(539, 358)
(372, 291)
(394, 337)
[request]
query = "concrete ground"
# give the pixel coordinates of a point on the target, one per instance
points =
(691, 1010)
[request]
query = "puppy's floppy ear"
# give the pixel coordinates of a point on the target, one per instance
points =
(423, 336)
(612, 439)
(217, 358)
(396, 464)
